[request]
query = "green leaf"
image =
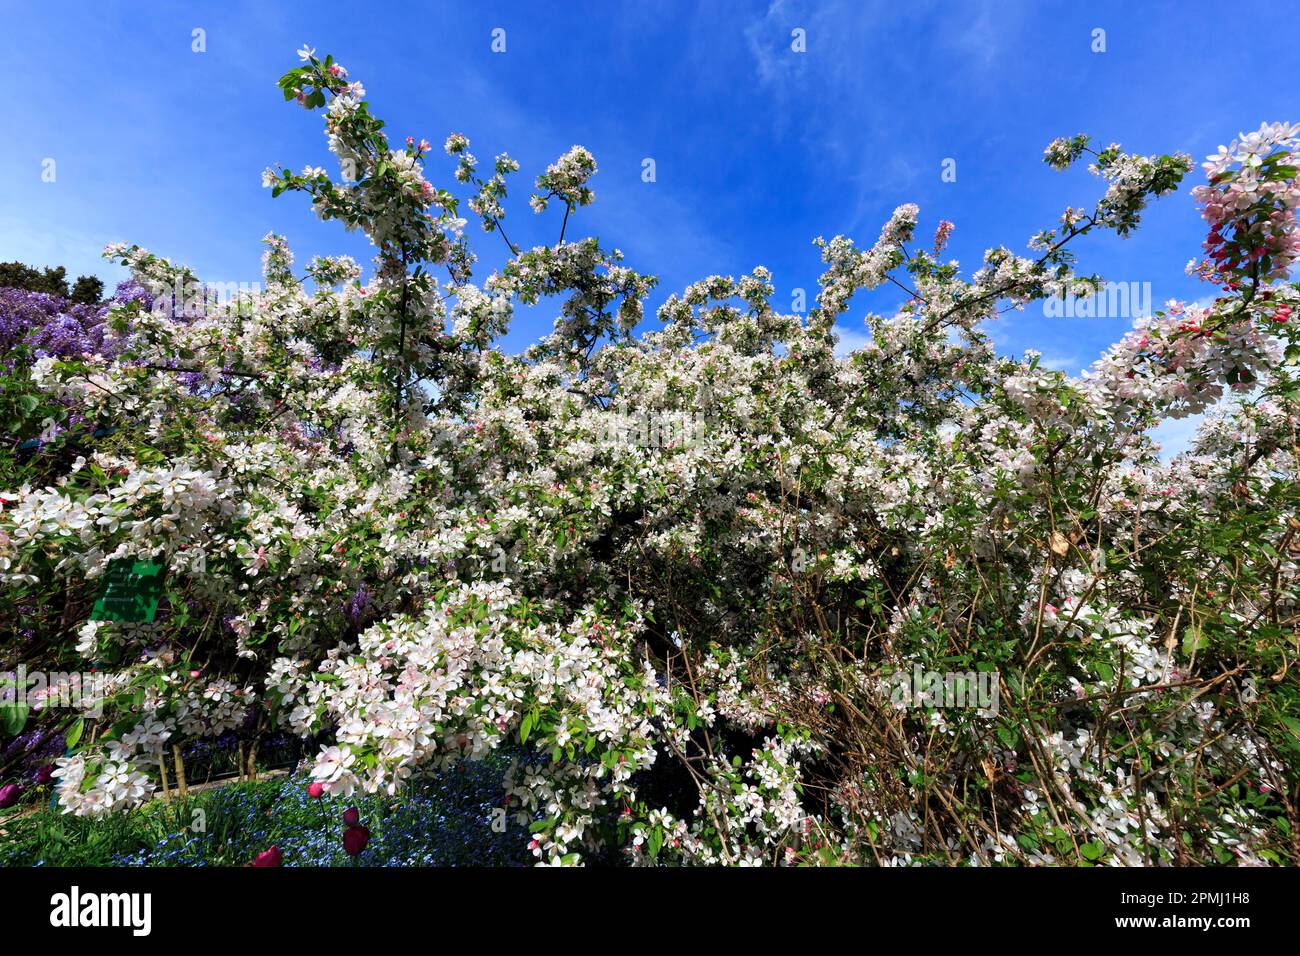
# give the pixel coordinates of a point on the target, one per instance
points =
(656, 841)
(1193, 640)
(73, 736)
(1293, 725)
(15, 719)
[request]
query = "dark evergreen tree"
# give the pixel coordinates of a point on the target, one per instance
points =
(88, 289)
(18, 275)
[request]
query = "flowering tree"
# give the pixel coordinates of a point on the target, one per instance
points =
(679, 572)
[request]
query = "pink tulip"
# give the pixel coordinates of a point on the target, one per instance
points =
(355, 840)
(271, 857)
(316, 790)
(9, 795)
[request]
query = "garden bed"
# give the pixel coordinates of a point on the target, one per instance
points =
(443, 820)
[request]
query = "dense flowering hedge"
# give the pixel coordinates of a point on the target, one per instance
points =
(679, 570)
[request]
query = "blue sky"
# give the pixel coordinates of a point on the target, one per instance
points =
(758, 149)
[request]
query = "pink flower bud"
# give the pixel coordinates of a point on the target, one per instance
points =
(316, 790)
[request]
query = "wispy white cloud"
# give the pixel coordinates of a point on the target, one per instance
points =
(830, 97)
(45, 245)
(770, 40)
(979, 41)
(850, 340)
(1060, 363)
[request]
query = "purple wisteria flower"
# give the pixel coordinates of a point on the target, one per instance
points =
(50, 325)
(356, 607)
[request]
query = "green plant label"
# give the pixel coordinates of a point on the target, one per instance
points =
(131, 591)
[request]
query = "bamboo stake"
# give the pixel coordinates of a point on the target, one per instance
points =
(162, 772)
(180, 771)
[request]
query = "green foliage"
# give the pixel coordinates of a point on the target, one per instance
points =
(51, 281)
